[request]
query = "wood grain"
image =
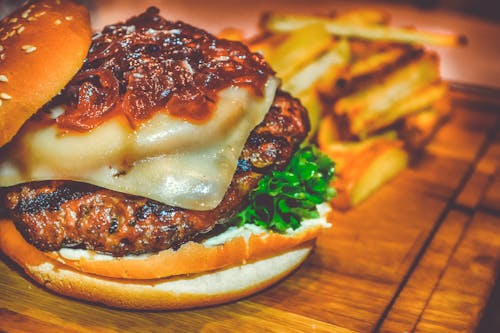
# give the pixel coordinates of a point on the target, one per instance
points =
(457, 302)
(419, 254)
(408, 307)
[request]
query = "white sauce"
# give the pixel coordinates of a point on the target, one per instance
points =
(231, 233)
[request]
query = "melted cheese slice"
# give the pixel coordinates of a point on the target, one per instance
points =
(167, 159)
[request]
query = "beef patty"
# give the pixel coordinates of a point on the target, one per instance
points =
(56, 214)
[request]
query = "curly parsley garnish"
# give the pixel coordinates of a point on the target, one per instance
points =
(283, 199)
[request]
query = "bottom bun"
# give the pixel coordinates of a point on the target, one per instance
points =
(181, 292)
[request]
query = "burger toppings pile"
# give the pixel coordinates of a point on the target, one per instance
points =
(162, 140)
(136, 71)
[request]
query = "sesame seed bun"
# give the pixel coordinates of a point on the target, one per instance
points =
(42, 46)
(179, 292)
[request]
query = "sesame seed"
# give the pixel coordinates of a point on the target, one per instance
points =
(13, 20)
(1, 102)
(11, 33)
(40, 14)
(28, 48)
(2, 56)
(3, 78)
(57, 22)
(69, 18)
(1, 48)
(5, 96)
(4, 37)
(26, 13)
(20, 30)
(31, 18)
(58, 2)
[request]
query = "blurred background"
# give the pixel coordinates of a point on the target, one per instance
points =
(485, 9)
(476, 64)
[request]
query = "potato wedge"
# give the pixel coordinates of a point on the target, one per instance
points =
(328, 132)
(419, 128)
(364, 107)
(311, 102)
(381, 61)
(421, 100)
(298, 49)
(364, 167)
(322, 71)
(266, 43)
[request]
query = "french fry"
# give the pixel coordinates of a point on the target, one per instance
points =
(285, 23)
(298, 49)
(370, 67)
(422, 99)
(326, 85)
(346, 148)
(328, 132)
(379, 62)
(363, 17)
(418, 129)
(362, 49)
(364, 167)
(323, 70)
(365, 106)
(266, 43)
(311, 102)
(373, 76)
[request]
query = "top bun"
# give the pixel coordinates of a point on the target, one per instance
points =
(42, 46)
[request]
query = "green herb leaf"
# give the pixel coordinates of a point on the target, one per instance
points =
(283, 199)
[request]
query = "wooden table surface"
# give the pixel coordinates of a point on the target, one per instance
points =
(420, 255)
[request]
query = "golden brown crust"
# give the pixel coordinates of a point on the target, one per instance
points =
(43, 45)
(211, 288)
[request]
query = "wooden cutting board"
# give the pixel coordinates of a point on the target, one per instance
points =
(420, 255)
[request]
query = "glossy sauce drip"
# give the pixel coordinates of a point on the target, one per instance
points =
(149, 64)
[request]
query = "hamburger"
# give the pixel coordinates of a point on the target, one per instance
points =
(150, 165)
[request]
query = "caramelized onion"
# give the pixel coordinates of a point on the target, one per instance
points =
(97, 95)
(148, 64)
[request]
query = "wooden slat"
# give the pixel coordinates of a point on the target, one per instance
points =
(485, 180)
(465, 132)
(407, 310)
(413, 299)
(459, 298)
(491, 199)
(15, 322)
